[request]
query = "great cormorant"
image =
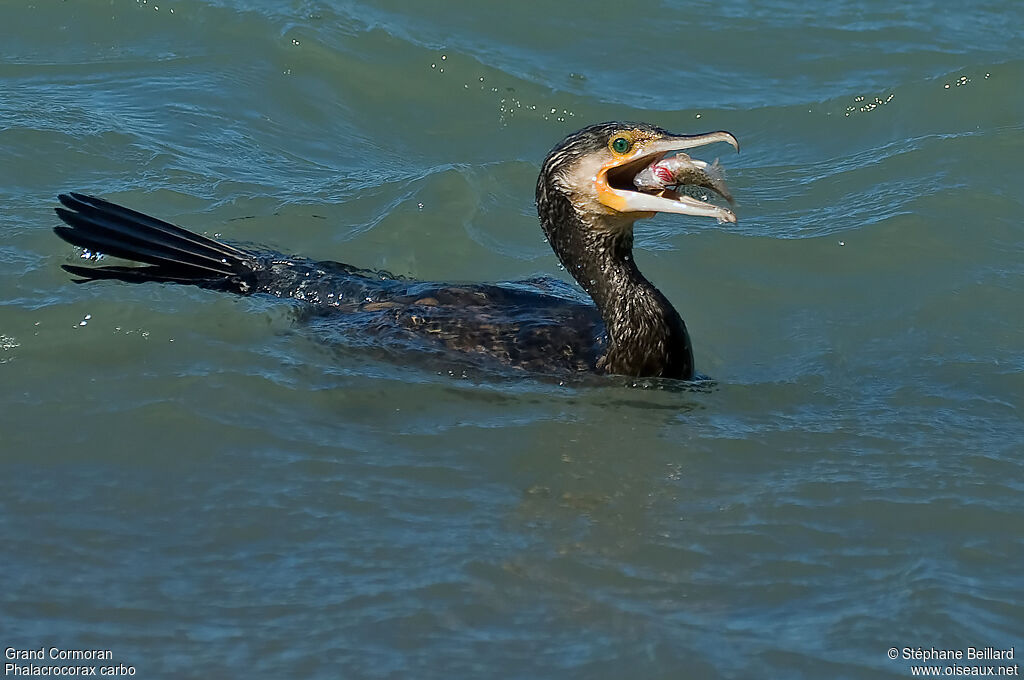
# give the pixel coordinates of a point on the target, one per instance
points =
(587, 202)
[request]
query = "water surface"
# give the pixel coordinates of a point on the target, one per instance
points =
(193, 482)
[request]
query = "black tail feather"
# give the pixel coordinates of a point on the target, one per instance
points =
(129, 274)
(174, 255)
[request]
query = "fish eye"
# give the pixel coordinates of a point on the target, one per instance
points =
(621, 145)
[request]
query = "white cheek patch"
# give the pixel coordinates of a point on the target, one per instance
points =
(578, 182)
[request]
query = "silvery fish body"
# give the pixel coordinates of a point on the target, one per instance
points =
(680, 170)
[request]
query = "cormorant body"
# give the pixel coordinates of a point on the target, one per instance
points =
(540, 325)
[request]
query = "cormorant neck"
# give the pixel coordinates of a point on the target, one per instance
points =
(646, 335)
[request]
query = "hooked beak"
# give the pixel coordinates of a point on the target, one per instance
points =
(615, 188)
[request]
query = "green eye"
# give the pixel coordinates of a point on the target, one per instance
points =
(620, 145)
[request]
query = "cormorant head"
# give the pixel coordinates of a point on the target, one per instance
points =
(594, 169)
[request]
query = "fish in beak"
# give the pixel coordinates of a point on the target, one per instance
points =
(641, 175)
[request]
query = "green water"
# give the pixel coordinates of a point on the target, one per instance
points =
(197, 484)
